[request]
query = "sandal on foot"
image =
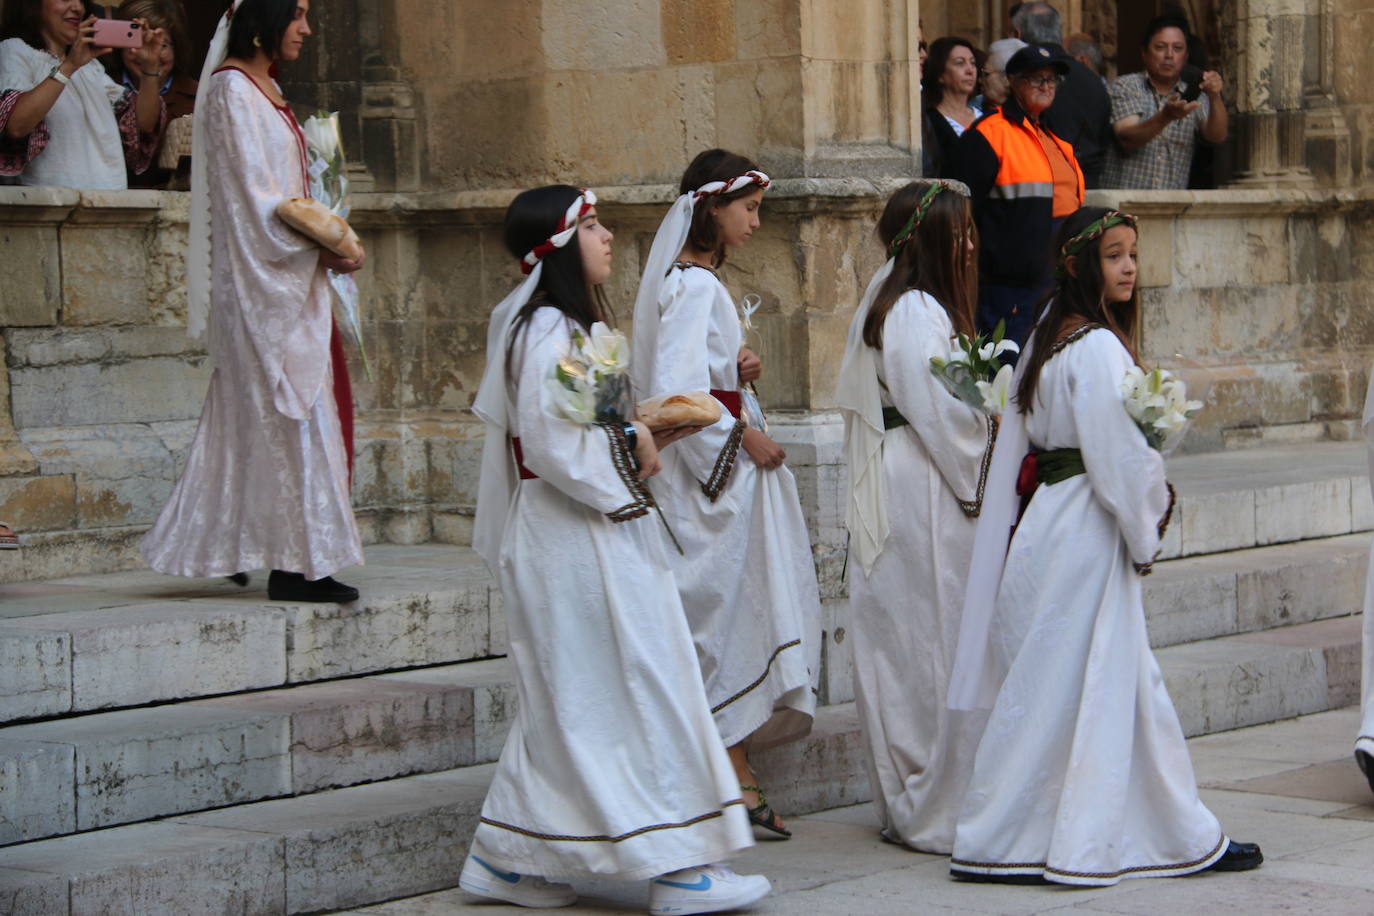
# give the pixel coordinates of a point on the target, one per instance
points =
(764, 816)
(8, 539)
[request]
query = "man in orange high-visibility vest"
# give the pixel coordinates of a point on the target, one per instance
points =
(1023, 180)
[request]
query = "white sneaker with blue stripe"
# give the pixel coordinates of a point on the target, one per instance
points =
(483, 879)
(707, 889)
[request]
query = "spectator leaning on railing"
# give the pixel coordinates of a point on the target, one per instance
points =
(63, 121)
(1155, 123)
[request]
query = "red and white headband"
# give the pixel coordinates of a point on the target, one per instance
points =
(567, 228)
(733, 185)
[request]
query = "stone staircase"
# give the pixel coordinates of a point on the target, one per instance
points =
(174, 746)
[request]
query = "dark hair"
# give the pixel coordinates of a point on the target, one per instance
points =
(265, 20)
(530, 219)
(713, 165)
(23, 19)
(940, 49)
(1159, 24)
(935, 260)
(161, 14)
(1078, 296)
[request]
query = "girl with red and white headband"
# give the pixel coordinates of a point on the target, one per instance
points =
(746, 575)
(613, 767)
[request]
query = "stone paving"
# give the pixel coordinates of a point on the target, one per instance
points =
(1291, 786)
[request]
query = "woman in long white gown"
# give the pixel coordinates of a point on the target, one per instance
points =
(613, 766)
(1082, 775)
(266, 481)
(746, 574)
(908, 437)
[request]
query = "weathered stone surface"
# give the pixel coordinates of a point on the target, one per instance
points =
(35, 673)
(144, 763)
(360, 845)
(37, 790)
(124, 472)
(357, 731)
(1188, 600)
(32, 293)
(141, 653)
(27, 893)
(104, 274)
(491, 686)
(1302, 510)
(38, 503)
(826, 769)
(1232, 682)
(52, 555)
(156, 868)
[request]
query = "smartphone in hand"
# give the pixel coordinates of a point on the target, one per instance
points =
(117, 33)
(1192, 76)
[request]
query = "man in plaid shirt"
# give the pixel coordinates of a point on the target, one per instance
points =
(1156, 129)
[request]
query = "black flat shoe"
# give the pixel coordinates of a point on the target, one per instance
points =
(1366, 762)
(1238, 857)
(958, 875)
(289, 586)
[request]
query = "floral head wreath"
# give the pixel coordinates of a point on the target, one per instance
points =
(922, 208)
(1095, 230)
(567, 228)
(734, 184)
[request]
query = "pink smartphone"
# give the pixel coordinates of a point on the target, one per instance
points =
(117, 33)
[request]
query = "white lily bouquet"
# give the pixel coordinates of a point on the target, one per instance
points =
(329, 185)
(1158, 403)
(590, 384)
(974, 372)
(749, 395)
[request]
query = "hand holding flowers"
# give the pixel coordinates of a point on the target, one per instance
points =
(974, 372)
(1158, 403)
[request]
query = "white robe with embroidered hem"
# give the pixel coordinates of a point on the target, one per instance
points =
(266, 479)
(1083, 774)
(1364, 741)
(613, 766)
(747, 575)
(905, 613)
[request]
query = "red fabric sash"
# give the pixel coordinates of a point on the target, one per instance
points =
(730, 399)
(343, 394)
(525, 473)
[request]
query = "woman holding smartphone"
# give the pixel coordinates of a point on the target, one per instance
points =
(266, 482)
(63, 121)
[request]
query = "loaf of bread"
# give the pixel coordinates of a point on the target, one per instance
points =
(669, 411)
(314, 219)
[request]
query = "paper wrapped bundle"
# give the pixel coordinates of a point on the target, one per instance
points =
(670, 411)
(317, 221)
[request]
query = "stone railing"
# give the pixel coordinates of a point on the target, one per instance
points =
(102, 388)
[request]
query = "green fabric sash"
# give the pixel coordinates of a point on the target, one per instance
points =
(892, 418)
(1059, 464)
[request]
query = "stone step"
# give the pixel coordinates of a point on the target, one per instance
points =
(129, 639)
(337, 848)
(1256, 497)
(1243, 591)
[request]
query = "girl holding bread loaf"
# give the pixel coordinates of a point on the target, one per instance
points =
(746, 573)
(266, 481)
(907, 435)
(613, 767)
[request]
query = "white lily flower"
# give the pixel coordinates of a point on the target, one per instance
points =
(322, 135)
(606, 350)
(576, 403)
(997, 392)
(1006, 346)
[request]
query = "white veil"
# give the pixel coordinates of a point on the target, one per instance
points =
(668, 244)
(198, 248)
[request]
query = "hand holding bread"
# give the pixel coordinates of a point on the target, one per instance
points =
(315, 220)
(673, 411)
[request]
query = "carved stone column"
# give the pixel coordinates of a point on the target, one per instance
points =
(1270, 67)
(1326, 134)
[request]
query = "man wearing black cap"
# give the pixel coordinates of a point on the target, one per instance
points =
(1023, 180)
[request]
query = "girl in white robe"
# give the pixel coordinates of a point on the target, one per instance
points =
(746, 574)
(266, 481)
(1364, 741)
(908, 437)
(1082, 776)
(613, 766)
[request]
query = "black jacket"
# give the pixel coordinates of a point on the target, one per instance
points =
(1082, 115)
